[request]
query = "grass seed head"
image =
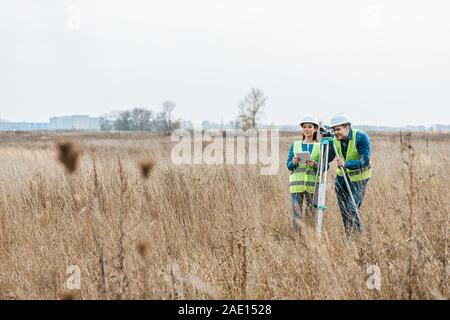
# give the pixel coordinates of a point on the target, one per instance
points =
(146, 167)
(68, 155)
(67, 295)
(142, 248)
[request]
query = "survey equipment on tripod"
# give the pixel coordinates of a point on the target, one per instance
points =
(322, 173)
(326, 132)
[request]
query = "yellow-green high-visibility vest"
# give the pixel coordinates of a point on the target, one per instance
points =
(352, 154)
(303, 178)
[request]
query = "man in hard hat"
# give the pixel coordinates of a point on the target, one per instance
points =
(302, 180)
(353, 147)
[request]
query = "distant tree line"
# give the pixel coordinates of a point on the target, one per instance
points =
(141, 119)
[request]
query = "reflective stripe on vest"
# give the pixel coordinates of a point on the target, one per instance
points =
(301, 183)
(308, 170)
(352, 154)
(303, 178)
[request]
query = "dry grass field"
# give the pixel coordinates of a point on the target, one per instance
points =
(213, 232)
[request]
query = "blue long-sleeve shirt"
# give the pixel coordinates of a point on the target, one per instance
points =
(363, 147)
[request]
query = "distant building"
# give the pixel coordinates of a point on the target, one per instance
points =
(188, 125)
(23, 126)
(81, 122)
(440, 128)
(192, 125)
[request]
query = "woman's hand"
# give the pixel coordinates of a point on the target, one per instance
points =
(312, 163)
(295, 160)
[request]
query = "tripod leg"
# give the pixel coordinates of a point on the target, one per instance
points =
(319, 198)
(347, 184)
(322, 188)
(355, 206)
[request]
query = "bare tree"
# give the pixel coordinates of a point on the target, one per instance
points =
(141, 119)
(124, 121)
(160, 122)
(168, 107)
(106, 123)
(250, 108)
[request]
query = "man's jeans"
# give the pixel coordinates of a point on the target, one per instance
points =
(348, 212)
(298, 202)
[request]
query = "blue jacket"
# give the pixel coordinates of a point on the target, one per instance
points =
(363, 147)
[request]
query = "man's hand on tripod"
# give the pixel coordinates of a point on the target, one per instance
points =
(340, 162)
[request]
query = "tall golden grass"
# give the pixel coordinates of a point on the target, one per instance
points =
(139, 227)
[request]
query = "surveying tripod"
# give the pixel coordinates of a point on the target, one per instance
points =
(322, 174)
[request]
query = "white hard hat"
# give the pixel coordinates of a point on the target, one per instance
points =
(339, 119)
(310, 119)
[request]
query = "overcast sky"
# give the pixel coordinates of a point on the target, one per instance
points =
(384, 62)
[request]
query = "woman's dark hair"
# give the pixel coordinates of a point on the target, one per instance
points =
(315, 133)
